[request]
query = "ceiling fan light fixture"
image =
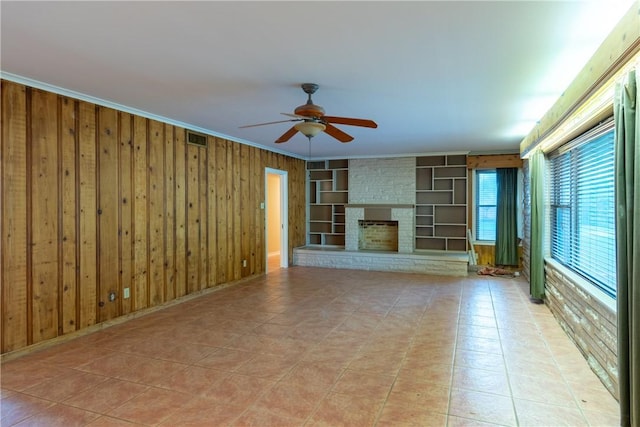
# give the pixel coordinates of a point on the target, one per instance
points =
(309, 129)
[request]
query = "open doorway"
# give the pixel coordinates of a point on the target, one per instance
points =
(276, 223)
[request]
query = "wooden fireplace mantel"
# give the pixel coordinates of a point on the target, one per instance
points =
(378, 205)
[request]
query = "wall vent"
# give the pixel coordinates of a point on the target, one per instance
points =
(196, 138)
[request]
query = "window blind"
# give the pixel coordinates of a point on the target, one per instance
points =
(583, 210)
(487, 199)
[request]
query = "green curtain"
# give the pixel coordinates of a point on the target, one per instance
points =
(627, 194)
(507, 219)
(536, 263)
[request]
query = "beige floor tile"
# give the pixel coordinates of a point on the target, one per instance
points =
(366, 384)
(107, 396)
(17, 407)
(480, 406)
(256, 417)
(60, 415)
(21, 374)
(62, 387)
(203, 413)
(225, 359)
(594, 397)
(193, 380)
(535, 414)
(309, 346)
(454, 421)
(485, 345)
(107, 421)
(266, 366)
(542, 388)
(152, 406)
(480, 380)
(402, 414)
(600, 419)
(238, 390)
(420, 394)
(291, 400)
(314, 375)
(479, 360)
(336, 410)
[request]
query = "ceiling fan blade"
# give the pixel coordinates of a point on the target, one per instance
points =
(297, 116)
(337, 133)
(287, 135)
(267, 123)
(350, 121)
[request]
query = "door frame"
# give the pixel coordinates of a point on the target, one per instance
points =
(284, 216)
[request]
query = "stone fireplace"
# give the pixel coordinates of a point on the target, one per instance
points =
(401, 216)
(379, 190)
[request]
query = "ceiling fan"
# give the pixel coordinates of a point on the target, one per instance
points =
(311, 120)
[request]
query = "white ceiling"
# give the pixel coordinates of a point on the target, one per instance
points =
(451, 76)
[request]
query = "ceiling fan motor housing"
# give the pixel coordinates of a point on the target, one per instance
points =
(309, 110)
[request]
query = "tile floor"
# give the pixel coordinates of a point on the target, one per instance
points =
(319, 347)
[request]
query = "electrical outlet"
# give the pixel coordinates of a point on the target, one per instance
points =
(112, 296)
(244, 262)
(126, 293)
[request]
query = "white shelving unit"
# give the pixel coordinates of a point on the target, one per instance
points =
(441, 202)
(328, 194)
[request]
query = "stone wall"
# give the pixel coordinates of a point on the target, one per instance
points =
(590, 324)
(427, 262)
(382, 181)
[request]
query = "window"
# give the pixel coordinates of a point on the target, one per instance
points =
(582, 208)
(486, 201)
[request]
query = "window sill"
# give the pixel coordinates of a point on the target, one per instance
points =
(585, 285)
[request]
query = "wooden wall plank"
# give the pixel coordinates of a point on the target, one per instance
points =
(68, 222)
(156, 213)
(221, 210)
(181, 214)
(212, 224)
(494, 161)
(126, 212)
(140, 291)
(169, 213)
(245, 206)
(236, 241)
(108, 214)
(13, 218)
(87, 234)
(259, 197)
(203, 265)
(193, 219)
(44, 215)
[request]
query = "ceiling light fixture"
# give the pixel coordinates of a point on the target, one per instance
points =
(309, 128)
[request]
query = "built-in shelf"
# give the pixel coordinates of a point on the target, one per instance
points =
(441, 202)
(328, 195)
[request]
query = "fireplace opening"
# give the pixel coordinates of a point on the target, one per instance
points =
(378, 235)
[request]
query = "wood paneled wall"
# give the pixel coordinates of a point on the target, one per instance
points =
(95, 200)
